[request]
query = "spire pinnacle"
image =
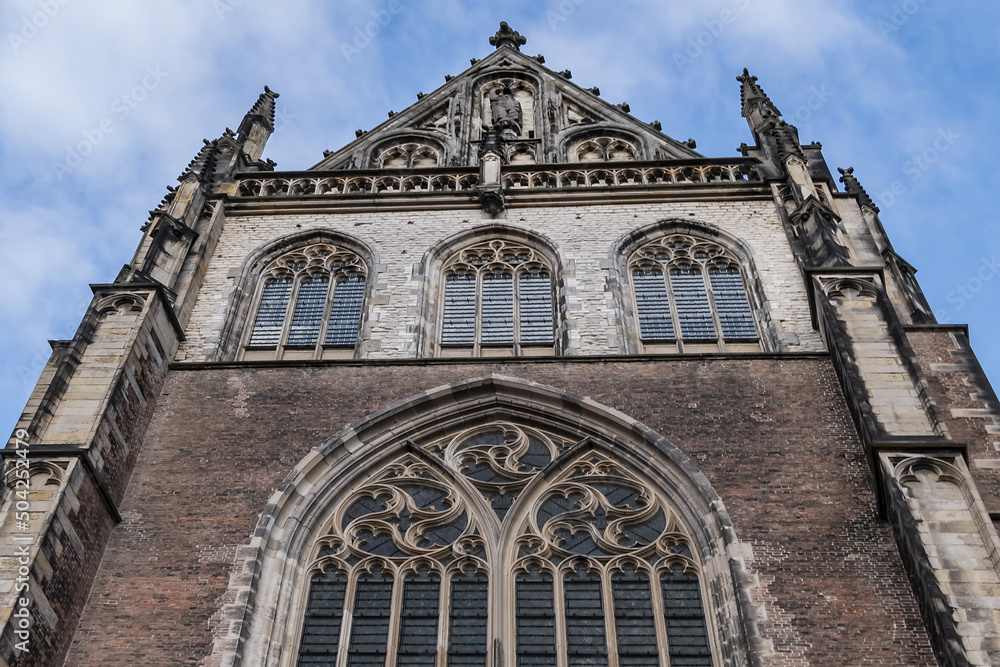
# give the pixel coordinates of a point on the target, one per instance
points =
(262, 110)
(764, 119)
(854, 187)
(752, 95)
(257, 125)
(507, 37)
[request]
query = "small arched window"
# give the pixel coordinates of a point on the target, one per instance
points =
(604, 149)
(591, 567)
(690, 296)
(408, 156)
(498, 301)
(309, 305)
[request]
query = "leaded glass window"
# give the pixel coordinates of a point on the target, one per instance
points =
(309, 306)
(690, 295)
(497, 301)
(595, 568)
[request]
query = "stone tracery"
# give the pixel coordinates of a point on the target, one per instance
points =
(595, 544)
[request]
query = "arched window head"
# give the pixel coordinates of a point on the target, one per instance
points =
(408, 156)
(483, 540)
(497, 301)
(309, 305)
(604, 149)
(690, 296)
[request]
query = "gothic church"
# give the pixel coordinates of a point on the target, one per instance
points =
(513, 379)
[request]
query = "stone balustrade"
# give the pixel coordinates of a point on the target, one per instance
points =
(513, 178)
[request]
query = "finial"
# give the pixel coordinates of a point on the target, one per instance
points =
(751, 93)
(507, 37)
(853, 186)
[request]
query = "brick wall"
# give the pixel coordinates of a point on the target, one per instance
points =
(771, 434)
(968, 404)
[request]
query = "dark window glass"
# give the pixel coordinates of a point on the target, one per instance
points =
(459, 326)
(345, 313)
(687, 636)
(271, 313)
(498, 308)
(635, 628)
(372, 610)
(691, 299)
(652, 305)
(467, 621)
(535, 302)
(418, 629)
(731, 302)
(536, 620)
(585, 638)
(308, 314)
(324, 615)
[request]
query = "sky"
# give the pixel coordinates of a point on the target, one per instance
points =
(105, 102)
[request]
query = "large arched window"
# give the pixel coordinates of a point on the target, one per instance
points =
(690, 296)
(309, 305)
(498, 301)
(505, 546)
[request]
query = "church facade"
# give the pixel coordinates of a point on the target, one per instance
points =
(511, 379)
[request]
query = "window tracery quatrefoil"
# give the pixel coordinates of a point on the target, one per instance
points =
(594, 564)
(310, 303)
(690, 295)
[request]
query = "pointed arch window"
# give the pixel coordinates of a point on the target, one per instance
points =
(690, 296)
(309, 306)
(498, 301)
(592, 567)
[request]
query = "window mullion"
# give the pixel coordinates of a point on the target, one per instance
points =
(674, 314)
(659, 620)
(395, 621)
(478, 333)
(289, 312)
(716, 320)
(324, 323)
(444, 615)
(559, 605)
(610, 632)
(347, 625)
(516, 310)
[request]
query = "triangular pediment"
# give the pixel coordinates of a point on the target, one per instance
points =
(545, 117)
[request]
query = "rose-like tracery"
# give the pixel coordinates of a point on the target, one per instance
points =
(599, 565)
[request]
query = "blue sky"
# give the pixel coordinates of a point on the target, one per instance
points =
(104, 103)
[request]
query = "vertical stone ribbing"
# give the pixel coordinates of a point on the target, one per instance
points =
(952, 552)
